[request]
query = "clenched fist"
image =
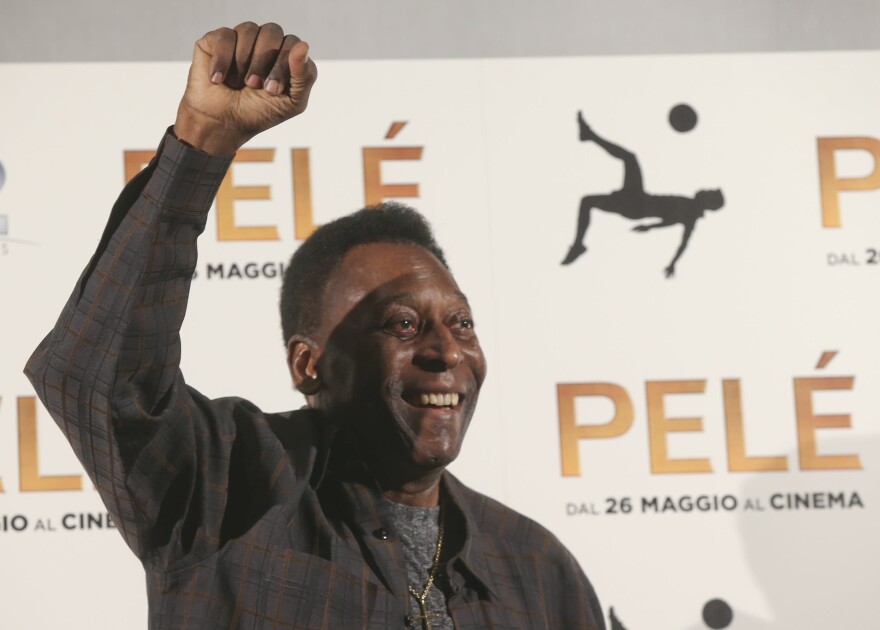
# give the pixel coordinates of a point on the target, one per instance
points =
(243, 81)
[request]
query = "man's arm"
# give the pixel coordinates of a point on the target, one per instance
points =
(108, 372)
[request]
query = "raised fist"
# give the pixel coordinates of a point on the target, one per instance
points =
(243, 81)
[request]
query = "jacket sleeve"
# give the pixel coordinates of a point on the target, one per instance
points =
(108, 372)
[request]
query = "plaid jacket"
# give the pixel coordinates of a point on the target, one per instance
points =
(246, 519)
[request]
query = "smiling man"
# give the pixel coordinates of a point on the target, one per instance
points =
(392, 356)
(339, 515)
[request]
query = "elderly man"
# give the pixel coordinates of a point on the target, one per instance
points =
(340, 515)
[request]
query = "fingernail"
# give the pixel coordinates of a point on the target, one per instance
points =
(272, 86)
(217, 77)
(254, 81)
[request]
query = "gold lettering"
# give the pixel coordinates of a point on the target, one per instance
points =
(570, 432)
(28, 452)
(831, 184)
(808, 422)
(737, 460)
(303, 217)
(2, 490)
(135, 161)
(375, 190)
(227, 230)
(659, 426)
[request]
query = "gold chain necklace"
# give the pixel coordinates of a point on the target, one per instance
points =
(424, 616)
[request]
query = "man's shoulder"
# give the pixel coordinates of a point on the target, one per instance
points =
(510, 546)
(490, 519)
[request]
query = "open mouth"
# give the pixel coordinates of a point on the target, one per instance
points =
(434, 400)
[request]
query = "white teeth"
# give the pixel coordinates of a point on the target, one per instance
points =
(439, 400)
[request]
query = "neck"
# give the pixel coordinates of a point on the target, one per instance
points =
(405, 483)
(423, 491)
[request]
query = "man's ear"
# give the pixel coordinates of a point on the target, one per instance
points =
(302, 360)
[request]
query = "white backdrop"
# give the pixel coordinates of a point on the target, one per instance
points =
(756, 301)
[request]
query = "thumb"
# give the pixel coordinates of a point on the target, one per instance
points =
(303, 73)
(298, 61)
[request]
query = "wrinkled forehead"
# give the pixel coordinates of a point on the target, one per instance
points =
(372, 272)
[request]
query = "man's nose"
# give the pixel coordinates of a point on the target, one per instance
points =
(439, 350)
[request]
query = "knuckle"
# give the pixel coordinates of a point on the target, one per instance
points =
(271, 27)
(247, 26)
(225, 34)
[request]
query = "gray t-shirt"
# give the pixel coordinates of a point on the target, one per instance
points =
(418, 529)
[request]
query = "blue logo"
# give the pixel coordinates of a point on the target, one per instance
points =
(4, 220)
(5, 240)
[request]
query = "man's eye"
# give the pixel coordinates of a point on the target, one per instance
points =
(404, 327)
(464, 328)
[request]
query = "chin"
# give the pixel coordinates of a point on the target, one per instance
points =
(427, 439)
(431, 463)
(438, 452)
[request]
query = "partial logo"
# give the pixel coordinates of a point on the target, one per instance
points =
(4, 220)
(633, 202)
(5, 238)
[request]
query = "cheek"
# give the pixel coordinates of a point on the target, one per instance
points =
(390, 364)
(378, 376)
(337, 371)
(345, 378)
(477, 362)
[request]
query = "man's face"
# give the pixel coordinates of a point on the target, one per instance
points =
(400, 362)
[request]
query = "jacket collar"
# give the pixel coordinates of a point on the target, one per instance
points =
(473, 553)
(339, 457)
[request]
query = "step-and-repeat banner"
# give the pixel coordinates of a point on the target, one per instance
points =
(674, 264)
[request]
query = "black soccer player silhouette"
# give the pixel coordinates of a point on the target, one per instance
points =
(632, 202)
